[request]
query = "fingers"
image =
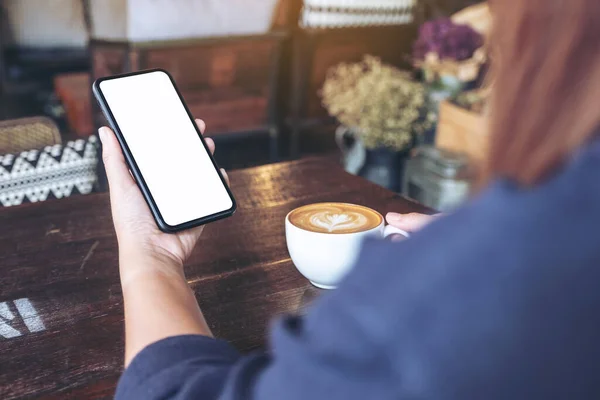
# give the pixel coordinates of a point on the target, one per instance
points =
(209, 142)
(117, 171)
(201, 125)
(211, 145)
(225, 176)
(408, 222)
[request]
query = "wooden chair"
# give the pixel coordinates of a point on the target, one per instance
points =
(23, 134)
(318, 49)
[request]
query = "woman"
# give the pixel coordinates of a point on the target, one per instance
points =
(497, 301)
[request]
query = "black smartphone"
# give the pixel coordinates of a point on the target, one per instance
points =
(164, 149)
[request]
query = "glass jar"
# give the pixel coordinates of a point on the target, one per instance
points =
(437, 178)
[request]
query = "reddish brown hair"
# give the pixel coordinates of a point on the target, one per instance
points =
(546, 84)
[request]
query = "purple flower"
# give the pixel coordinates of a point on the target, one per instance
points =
(447, 39)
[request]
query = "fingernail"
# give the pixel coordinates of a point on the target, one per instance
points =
(394, 216)
(102, 133)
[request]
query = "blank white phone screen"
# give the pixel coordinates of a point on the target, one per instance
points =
(166, 147)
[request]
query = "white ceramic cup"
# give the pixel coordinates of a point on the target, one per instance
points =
(325, 258)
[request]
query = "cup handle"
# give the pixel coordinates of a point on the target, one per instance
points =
(391, 230)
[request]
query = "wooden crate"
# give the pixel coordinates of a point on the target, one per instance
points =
(462, 131)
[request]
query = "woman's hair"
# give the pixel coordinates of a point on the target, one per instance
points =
(546, 84)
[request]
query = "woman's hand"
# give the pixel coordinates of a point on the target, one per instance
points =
(139, 237)
(158, 302)
(409, 222)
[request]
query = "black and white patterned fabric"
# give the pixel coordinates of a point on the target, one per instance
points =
(54, 172)
(345, 13)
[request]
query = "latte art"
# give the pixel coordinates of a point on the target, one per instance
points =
(335, 218)
(338, 222)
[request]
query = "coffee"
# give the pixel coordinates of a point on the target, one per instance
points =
(335, 218)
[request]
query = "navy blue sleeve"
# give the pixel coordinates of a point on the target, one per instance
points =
(482, 304)
(178, 367)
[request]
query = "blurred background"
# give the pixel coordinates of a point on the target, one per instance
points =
(393, 89)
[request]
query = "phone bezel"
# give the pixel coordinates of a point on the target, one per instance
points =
(160, 222)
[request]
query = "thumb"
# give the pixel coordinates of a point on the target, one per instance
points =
(119, 177)
(409, 222)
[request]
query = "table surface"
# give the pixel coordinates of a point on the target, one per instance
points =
(61, 306)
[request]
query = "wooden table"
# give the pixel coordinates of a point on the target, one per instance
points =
(61, 308)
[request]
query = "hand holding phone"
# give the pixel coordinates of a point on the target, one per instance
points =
(140, 240)
(164, 150)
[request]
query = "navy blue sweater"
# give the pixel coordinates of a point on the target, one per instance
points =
(500, 300)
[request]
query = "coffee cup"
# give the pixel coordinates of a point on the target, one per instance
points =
(324, 239)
